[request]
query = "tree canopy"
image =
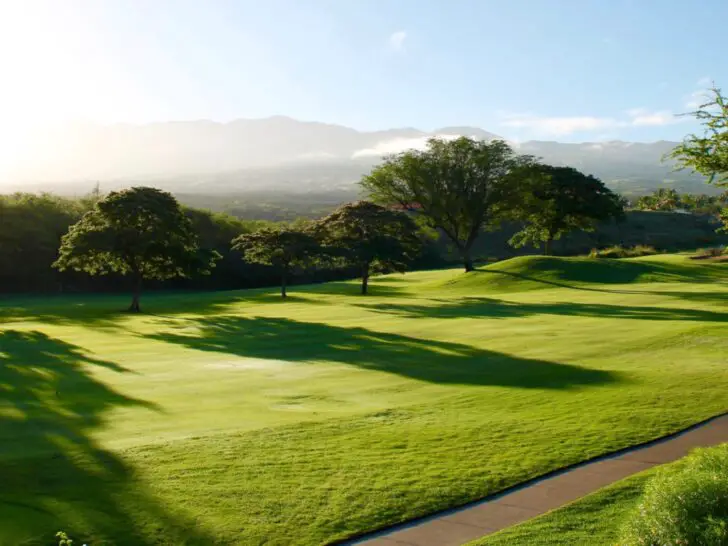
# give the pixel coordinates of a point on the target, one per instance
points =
(139, 232)
(557, 200)
(370, 236)
(707, 154)
(282, 248)
(459, 186)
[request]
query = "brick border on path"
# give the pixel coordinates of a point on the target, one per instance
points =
(522, 502)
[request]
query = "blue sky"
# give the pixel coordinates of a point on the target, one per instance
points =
(568, 70)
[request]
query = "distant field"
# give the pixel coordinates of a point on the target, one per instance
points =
(236, 418)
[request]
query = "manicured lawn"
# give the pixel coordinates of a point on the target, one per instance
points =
(235, 418)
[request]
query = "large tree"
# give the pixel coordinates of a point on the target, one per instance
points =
(557, 200)
(460, 186)
(371, 237)
(282, 248)
(141, 233)
(707, 154)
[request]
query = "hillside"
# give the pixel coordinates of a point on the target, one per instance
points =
(280, 154)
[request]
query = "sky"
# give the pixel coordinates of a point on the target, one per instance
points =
(567, 70)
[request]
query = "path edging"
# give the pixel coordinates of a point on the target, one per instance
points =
(385, 530)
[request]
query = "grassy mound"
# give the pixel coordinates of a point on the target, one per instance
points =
(537, 272)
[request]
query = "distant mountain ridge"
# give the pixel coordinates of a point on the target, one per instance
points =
(287, 154)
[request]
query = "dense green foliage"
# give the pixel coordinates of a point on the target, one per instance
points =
(684, 504)
(31, 227)
(281, 247)
(556, 200)
(707, 154)
(229, 418)
(669, 200)
(141, 233)
(459, 186)
(623, 252)
(368, 236)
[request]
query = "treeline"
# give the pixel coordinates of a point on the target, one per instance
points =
(668, 200)
(460, 200)
(31, 228)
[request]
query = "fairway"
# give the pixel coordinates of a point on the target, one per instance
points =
(238, 418)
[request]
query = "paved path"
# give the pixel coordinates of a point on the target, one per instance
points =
(518, 504)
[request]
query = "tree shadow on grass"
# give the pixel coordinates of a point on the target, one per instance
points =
(424, 360)
(580, 273)
(475, 307)
(53, 474)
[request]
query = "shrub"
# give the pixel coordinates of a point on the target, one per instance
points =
(706, 253)
(685, 503)
(623, 252)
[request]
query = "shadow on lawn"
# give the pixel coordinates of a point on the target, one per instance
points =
(610, 271)
(470, 307)
(425, 360)
(53, 474)
(109, 311)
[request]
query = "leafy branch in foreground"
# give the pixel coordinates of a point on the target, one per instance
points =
(707, 154)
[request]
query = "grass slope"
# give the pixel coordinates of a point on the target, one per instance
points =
(236, 418)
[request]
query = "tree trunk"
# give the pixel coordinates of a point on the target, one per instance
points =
(547, 246)
(137, 293)
(365, 278)
(284, 278)
(467, 260)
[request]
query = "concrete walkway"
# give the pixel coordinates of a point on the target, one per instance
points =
(518, 504)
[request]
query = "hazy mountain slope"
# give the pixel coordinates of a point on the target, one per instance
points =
(281, 153)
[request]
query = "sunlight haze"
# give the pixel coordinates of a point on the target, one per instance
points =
(525, 70)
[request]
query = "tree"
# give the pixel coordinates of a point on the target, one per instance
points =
(663, 199)
(141, 233)
(370, 236)
(460, 186)
(281, 248)
(707, 154)
(557, 200)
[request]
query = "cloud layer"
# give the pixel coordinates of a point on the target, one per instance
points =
(567, 125)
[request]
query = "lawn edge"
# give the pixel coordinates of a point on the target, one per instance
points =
(379, 532)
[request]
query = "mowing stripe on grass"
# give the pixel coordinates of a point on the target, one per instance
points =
(535, 497)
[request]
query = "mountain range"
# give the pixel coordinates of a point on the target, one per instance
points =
(284, 154)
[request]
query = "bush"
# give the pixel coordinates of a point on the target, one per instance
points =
(685, 503)
(623, 252)
(706, 253)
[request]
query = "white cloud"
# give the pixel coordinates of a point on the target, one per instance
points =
(567, 125)
(558, 126)
(396, 40)
(397, 145)
(641, 117)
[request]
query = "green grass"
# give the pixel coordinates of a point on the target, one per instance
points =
(595, 520)
(236, 418)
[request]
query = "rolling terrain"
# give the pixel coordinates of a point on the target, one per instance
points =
(238, 418)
